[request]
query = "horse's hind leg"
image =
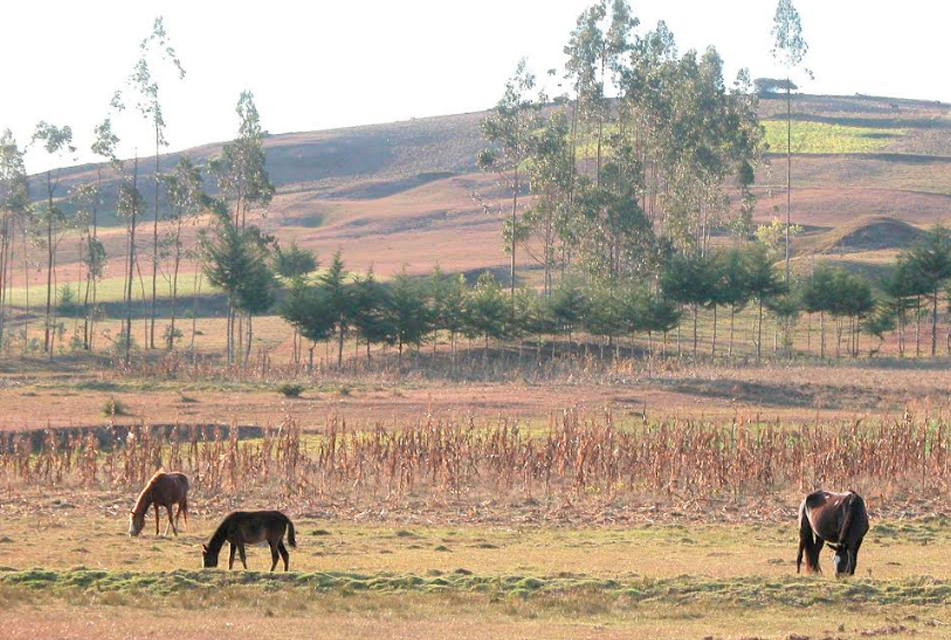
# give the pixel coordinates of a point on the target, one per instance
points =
(273, 555)
(284, 555)
(231, 556)
(183, 511)
(171, 521)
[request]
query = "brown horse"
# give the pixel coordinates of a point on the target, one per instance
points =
(837, 519)
(250, 527)
(162, 490)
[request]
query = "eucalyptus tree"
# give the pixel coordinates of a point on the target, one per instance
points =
(186, 198)
(87, 200)
(104, 146)
(549, 179)
(155, 52)
(14, 209)
(240, 168)
(789, 49)
(508, 130)
(129, 206)
(57, 142)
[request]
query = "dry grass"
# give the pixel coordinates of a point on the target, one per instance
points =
(574, 457)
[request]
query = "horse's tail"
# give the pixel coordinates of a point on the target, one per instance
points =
(855, 513)
(291, 540)
(807, 542)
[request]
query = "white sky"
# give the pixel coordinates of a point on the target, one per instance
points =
(321, 64)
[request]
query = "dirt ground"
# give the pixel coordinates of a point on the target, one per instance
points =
(791, 393)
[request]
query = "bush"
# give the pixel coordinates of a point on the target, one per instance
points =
(290, 390)
(113, 407)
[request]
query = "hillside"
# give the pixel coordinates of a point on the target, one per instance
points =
(402, 193)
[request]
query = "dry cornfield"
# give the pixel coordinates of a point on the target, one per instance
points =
(575, 456)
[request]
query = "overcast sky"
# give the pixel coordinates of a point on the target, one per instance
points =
(319, 64)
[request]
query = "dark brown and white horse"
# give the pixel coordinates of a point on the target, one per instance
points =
(250, 527)
(162, 490)
(837, 519)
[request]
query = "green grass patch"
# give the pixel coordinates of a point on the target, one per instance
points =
(751, 591)
(821, 137)
(112, 289)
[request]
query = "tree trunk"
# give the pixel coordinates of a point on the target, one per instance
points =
(918, 326)
(788, 174)
(732, 327)
(696, 314)
(155, 260)
(47, 341)
(759, 329)
(340, 336)
(131, 272)
(934, 324)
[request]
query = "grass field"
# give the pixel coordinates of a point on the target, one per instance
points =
(821, 137)
(420, 580)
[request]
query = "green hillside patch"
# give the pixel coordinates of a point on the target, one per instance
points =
(823, 138)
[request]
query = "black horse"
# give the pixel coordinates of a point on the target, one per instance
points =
(243, 527)
(837, 519)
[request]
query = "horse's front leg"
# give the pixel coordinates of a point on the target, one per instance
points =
(244, 559)
(231, 556)
(156, 519)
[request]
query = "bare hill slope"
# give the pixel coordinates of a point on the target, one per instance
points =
(401, 193)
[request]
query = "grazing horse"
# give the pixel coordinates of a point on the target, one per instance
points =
(837, 519)
(162, 490)
(250, 527)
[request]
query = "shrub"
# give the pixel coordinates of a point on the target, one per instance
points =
(290, 390)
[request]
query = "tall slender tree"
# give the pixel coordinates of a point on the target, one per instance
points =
(241, 174)
(789, 49)
(508, 129)
(14, 208)
(57, 142)
(155, 51)
(186, 198)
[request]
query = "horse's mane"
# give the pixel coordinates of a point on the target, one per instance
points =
(139, 501)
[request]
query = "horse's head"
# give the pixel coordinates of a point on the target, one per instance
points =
(842, 561)
(209, 560)
(136, 523)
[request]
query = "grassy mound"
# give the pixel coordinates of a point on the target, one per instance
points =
(753, 591)
(868, 233)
